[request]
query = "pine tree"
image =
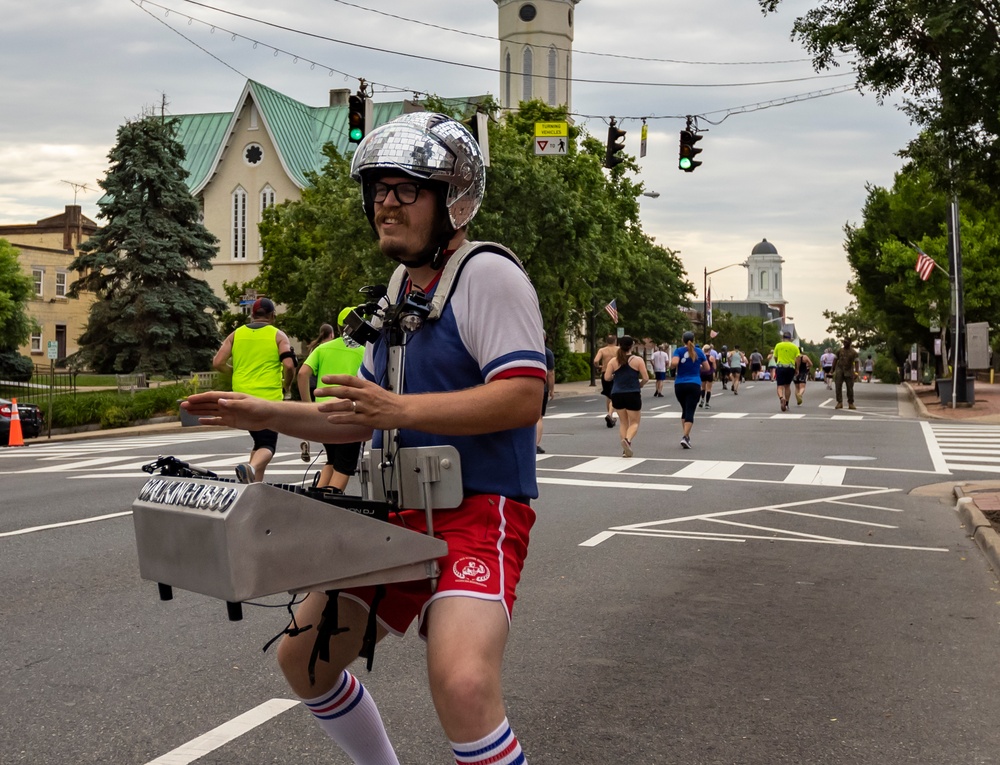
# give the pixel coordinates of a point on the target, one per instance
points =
(151, 315)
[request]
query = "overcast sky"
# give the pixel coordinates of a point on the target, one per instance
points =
(72, 73)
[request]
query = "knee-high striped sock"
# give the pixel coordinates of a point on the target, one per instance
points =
(498, 748)
(348, 715)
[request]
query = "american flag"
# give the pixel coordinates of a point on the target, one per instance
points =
(612, 309)
(925, 264)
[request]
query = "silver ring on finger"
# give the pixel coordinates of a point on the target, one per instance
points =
(354, 405)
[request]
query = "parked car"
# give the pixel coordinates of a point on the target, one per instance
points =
(31, 418)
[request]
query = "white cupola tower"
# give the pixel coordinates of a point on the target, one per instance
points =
(764, 275)
(536, 51)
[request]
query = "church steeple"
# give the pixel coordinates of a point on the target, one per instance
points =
(764, 275)
(536, 51)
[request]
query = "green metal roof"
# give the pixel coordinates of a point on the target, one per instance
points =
(298, 131)
(201, 135)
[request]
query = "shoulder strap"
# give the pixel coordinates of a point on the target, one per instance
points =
(449, 276)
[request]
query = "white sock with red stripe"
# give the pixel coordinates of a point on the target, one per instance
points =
(348, 715)
(498, 748)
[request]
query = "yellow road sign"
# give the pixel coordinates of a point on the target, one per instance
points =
(552, 129)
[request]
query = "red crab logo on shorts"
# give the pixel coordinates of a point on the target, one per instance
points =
(471, 570)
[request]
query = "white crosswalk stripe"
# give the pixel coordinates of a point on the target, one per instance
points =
(104, 445)
(655, 414)
(554, 469)
(967, 447)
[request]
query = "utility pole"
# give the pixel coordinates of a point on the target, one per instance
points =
(959, 394)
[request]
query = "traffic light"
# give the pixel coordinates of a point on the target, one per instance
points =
(616, 143)
(356, 113)
(686, 161)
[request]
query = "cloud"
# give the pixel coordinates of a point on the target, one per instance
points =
(794, 173)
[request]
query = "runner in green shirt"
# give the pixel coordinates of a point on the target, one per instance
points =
(785, 354)
(341, 356)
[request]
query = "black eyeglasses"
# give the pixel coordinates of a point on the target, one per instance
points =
(406, 192)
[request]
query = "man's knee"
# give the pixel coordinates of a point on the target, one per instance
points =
(466, 694)
(295, 651)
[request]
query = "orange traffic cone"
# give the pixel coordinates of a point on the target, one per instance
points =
(15, 438)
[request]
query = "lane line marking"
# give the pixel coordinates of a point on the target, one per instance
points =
(32, 529)
(222, 735)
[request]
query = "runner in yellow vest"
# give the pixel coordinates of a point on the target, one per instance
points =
(341, 356)
(263, 365)
(785, 354)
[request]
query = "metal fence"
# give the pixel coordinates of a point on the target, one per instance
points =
(42, 378)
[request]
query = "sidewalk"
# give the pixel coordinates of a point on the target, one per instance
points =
(977, 502)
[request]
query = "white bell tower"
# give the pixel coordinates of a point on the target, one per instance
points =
(536, 51)
(764, 276)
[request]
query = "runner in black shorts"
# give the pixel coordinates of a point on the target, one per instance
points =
(707, 378)
(601, 359)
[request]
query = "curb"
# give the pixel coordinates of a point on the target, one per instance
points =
(920, 406)
(145, 427)
(979, 528)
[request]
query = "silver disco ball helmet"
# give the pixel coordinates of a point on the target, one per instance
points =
(428, 146)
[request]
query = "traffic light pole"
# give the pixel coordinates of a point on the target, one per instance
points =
(959, 394)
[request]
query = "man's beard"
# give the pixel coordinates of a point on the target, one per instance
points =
(436, 240)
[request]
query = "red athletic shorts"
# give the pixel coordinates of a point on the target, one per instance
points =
(487, 538)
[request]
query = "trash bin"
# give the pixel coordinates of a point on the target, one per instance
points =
(187, 420)
(944, 389)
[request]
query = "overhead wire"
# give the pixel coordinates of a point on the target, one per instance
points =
(416, 92)
(492, 38)
(480, 67)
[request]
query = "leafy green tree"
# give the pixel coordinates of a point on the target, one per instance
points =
(941, 56)
(748, 332)
(575, 228)
(16, 289)
(151, 314)
(320, 250)
(894, 307)
(658, 276)
(578, 232)
(854, 325)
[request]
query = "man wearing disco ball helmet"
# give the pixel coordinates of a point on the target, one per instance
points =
(473, 379)
(429, 152)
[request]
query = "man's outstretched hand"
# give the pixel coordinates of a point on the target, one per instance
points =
(229, 409)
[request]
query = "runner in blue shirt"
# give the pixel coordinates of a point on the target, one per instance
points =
(688, 363)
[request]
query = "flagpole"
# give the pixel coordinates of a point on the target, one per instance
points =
(704, 295)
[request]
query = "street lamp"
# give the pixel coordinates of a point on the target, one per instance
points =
(771, 321)
(704, 294)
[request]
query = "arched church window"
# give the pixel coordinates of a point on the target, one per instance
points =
(526, 70)
(506, 81)
(553, 66)
(239, 223)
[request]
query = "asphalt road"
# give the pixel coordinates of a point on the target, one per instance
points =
(797, 588)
